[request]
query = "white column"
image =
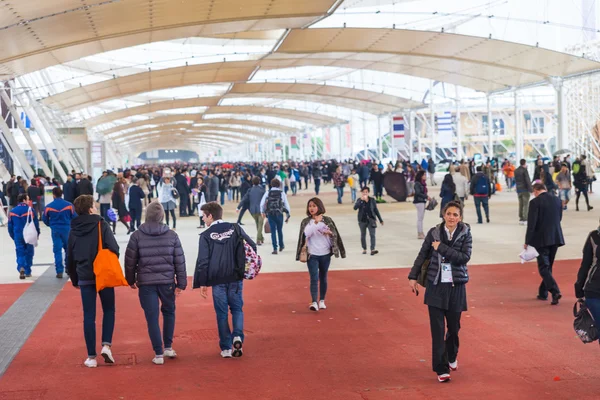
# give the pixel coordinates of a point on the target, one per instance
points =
(518, 129)
(419, 144)
(364, 136)
(17, 152)
(34, 149)
(380, 139)
(412, 132)
(340, 142)
(562, 134)
(432, 121)
(490, 128)
(459, 148)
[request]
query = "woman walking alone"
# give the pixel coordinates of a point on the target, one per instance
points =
(419, 200)
(118, 203)
(322, 240)
(166, 199)
(448, 247)
(368, 214)
(155, 265)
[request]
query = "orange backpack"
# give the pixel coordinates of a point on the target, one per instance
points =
(107, 267)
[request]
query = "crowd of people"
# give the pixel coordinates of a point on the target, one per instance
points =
(83, 219)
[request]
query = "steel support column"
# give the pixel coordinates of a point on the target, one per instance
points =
(17, 152)
(411, 133)
(562, 134)
(459, 146)
(432, 121)
(34, 149)
(490, 128)
(518, 129)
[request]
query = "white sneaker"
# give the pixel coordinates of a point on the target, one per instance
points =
(158, 360)
(444, 378)
(90, 363)
(226, 353)
(107, 354)
(322, 305)
(314, 306)
(453, 366)
(170, 353)
(237, 347)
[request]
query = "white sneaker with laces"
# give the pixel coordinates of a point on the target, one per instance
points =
(314, 306)
(170, 353)
(322, 305)
(453, 366)
(444, 378)
(90, 363)
(226, 353)
(107, 354)
(158, 360)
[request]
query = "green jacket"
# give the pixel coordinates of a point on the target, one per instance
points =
(337, 246)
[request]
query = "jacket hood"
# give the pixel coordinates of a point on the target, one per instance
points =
(154, 229)
(85, 224)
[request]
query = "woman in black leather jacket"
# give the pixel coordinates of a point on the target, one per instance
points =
(448, 247)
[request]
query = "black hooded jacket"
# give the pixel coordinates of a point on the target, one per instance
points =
(82, 247)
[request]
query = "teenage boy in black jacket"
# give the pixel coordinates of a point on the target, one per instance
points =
(221, 264)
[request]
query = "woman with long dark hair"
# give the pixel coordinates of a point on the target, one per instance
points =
(322, 240)
(447, 192)
(448, 249)
(420, 200)
(118, 203)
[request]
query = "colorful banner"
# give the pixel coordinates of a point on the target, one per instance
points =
(398, 135)
(294, 142)
(277, 144)
(445, 131)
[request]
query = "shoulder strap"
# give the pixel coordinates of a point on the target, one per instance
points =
(100, 236)
(236, 229)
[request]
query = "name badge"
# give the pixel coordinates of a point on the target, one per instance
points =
(446, 273)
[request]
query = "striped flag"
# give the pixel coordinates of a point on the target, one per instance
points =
(398, 135)
(444, 128)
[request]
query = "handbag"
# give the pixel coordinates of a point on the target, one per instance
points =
(304, 254)
(432, 204)
(107, 267)
(422, 278)
(267, 227)
(584, 324)
(30, 234)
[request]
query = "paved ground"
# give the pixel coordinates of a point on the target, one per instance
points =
(372, 343)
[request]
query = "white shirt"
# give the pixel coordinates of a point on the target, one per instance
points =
(448, 233)
(317, 243)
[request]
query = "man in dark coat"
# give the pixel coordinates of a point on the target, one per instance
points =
(213, 186)
(545, 234)
(136, 196)
(184, 193)
(85, 186)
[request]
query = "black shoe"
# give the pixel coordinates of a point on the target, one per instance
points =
(274, 252)
(281, 248)
(541, 298)
(488, 220)
(22, 273)
(590, 208)
(577, 208)
(556, 298)
(59, 276)
(373, 252)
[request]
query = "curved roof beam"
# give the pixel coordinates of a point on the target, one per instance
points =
(459, 59)
(237, 133)
(234, 122)
(364, 100)
(46, 33)
(285, 113)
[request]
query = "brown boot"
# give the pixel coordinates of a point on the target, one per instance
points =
(421, 236)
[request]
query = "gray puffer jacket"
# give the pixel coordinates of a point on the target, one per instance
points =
(154, 256)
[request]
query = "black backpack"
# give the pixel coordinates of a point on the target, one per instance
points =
(584, 324)
(275, 203)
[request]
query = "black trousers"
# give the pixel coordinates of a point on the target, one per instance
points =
(545, 262)
(136, 218)
(444, 344)
(184, 202)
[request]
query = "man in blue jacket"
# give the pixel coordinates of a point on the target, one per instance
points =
(58, 216)
(16, 223)
(136, 195)
(221, 264)
(69, 190)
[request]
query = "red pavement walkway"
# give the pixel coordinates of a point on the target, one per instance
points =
(372, 343)
(9, 293)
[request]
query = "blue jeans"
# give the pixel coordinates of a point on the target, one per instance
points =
(353, 194)
(479, 201)
(60, 238)
(222, 198)
(149, 297)
(593, 304)
(317, 185)
(88, 299)
(318, 266)
(103, 212)
(228, 296)
(340, 193)
(276, 225)
(293, 187)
